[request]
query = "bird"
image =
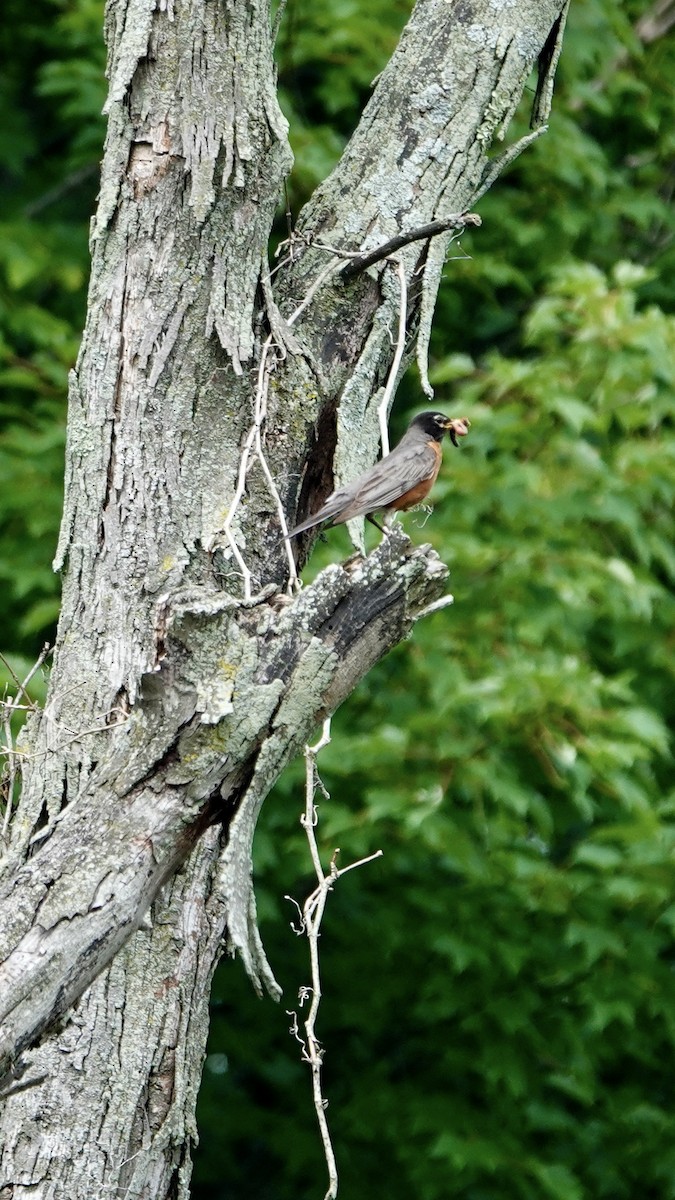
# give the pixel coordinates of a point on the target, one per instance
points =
(399, 481)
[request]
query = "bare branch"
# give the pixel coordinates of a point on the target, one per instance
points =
(422, 233)
(496, 165)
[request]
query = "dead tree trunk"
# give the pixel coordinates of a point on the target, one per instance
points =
(204, 402)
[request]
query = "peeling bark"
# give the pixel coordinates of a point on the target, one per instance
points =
(174, 704)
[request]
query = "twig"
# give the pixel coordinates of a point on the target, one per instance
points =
(254, 436)
(321, 278)
(9, 773)
(311, 917)
(360, 862)
(383, 406)
(56, 193)
(238, 493)
(310, 241)
(262, 392)
(21, 686)
(275, 33)
(496, 165)
(422, 233)
(9, 707)
(435, 606)
(22, 1087)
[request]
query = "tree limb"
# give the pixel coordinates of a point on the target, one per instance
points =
(148, 801)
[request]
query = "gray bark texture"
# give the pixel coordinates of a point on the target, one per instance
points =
(180, 689)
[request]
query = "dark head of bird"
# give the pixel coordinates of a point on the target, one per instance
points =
(435, 425)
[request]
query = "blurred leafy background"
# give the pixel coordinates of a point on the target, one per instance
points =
(499, 1019)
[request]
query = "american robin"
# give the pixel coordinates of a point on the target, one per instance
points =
(399, 481)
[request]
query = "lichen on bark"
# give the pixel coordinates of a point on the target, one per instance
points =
(173, 705)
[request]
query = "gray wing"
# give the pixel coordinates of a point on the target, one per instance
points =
(401, 470)
(390, 478)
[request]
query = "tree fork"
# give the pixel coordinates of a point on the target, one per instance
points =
(146, 661)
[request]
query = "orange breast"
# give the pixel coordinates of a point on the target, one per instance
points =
(420, 491)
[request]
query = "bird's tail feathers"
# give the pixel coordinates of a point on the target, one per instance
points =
(315, 520)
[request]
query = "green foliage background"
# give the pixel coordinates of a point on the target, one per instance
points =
(499, 1019)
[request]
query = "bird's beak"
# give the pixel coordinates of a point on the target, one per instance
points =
(457, 427)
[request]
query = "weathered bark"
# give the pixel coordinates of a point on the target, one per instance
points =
(174, 703)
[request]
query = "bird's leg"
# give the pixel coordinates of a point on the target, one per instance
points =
(389, 520)
(377, 525)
